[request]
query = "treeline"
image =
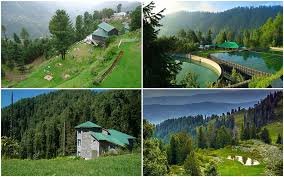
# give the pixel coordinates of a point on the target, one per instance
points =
(217, 131)
(266, 111)
(270, 34)
(158, 157)
(22, 50)
(36, 125)
(235, 20)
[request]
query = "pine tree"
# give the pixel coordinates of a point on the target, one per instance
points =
(279, 139)
(60, 27)
(202, 143)
(191, 165)
(265, 136)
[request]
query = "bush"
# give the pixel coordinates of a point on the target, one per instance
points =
(94, 71)
(9, 147)
(264, 82)
(191, 165)
(110, 53)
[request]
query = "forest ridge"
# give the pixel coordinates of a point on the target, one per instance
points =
(241, 18)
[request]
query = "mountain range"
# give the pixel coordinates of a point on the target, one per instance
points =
(157, 113)
(165, 106)
(235, 20)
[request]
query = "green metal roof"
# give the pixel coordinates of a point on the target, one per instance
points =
(105, 26)
(114, 136)
(102, 137)
(231, 45)
(100, 32)
(88, 124)
(120, 136)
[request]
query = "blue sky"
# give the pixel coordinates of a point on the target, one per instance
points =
(208, 6)
(20, 94)
(24, 93)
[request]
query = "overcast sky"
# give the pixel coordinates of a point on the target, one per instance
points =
(208, 6)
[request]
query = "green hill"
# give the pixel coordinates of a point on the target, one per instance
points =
(85, 64)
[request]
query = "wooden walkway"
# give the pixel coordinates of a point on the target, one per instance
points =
(240, 68)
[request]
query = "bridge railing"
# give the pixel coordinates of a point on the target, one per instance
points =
(244, 69)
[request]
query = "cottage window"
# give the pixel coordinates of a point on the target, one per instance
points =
(79, 142)
(79, 153)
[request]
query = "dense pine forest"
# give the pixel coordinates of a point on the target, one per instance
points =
(35, 126)
(241, 18)
(197, 145)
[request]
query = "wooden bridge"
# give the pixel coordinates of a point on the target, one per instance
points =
(246, 70)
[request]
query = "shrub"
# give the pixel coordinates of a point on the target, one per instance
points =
(264, 82)
(110, 53)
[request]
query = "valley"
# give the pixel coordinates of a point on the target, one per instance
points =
(238, 142)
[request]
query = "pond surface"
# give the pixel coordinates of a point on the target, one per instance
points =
(260, 61)
(244, 160)
(204, 73)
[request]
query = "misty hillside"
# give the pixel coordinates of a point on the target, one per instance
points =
(157, 113)
(35, 16)
(235, 19)
(223, 97)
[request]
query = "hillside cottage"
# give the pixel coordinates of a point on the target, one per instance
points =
(103, 32)
(93, 140)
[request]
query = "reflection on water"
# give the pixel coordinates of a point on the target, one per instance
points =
(205, 75)
(259, 61)
(244, 160)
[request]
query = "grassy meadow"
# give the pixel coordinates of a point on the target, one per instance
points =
(83, 65)
(121, 165)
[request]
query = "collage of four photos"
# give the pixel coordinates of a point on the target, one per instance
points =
(141, 88)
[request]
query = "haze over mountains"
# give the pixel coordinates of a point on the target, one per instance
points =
(35, 15)
(235, 20)
(158, 109)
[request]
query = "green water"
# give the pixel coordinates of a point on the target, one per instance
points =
(205, 75)
(266, 62)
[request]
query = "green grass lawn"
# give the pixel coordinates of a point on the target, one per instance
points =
(122, 165)
(234, 168)
(84, 64)
(228, 167)
(127, 73)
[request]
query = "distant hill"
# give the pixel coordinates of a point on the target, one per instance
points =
(267, 112)
(157, 113)
(35, 16)
(235, 19)
(234, 97)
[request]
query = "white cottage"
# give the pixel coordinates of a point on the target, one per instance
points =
(93, 140)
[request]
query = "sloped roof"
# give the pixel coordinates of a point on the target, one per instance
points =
(100, 32)
(102, 137)
(232, 45)
(114, 136)
(88, 124)
(105, 26)
(120, 136)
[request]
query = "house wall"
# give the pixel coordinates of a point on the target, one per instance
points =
(106, 146)
(113, 32)
(98, 38)
(88, 144)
